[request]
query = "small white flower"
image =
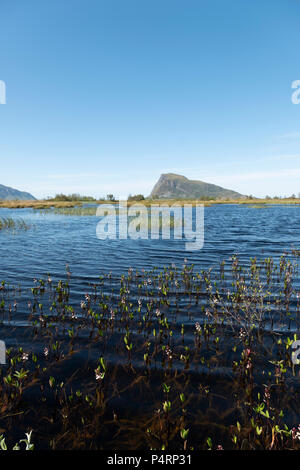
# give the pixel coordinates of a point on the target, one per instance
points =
(25, 357)
(99, 375)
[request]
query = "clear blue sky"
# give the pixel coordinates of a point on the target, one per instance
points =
(105, 95)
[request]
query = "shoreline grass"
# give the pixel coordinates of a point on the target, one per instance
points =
(147, 202)
(36, 204)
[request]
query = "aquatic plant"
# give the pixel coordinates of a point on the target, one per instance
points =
(79, 211)
(27, 442)
(160, 359)
(8, 223)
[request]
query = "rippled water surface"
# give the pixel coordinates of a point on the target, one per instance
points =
(147, 328)
(57, 240)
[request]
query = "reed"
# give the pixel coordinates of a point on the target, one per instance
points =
(37, 204)
(8, 223)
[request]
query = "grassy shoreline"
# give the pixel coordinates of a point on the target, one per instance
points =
(42, 204)
(36, 204)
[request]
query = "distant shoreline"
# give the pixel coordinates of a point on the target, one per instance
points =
(44, 204)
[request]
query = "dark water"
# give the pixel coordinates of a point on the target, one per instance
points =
(54, 241)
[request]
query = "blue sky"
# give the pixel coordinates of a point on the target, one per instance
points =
(105, 95)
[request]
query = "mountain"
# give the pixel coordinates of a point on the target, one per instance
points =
(10, 194)
(172, 186)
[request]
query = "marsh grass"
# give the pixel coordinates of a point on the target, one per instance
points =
(145, 221)
(8, 223)
(37, 204)
(47, 204)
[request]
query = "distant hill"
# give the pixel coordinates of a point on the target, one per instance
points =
(11, 194)
(172, 186)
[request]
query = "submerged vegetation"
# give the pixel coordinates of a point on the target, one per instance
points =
(145, 220)
(8, 223)
(164, 359)
(79, 211)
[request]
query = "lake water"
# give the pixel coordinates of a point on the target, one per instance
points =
(57, 240)
(99, 317)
